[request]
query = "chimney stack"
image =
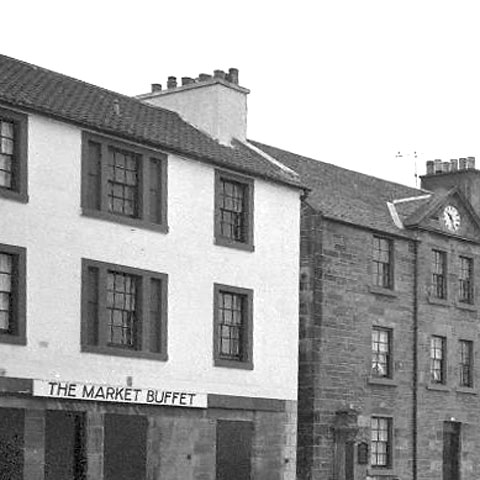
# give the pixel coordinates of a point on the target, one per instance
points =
(203, 77)
(187, 81)
(443, 176)
(216, 103)
(172, 82)
(232, 76)
(219, 74)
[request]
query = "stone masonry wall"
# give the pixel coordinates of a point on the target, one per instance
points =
(181, 443)
(338, 310)
(450, 402)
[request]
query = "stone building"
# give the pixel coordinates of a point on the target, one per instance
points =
(388, 324)
(148, 292)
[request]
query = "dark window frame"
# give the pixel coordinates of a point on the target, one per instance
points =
(246, 362)
(465, 280)
(466, 363)
(146, 158)
(438, 364)
(20, 161)
(439, 274)
(375, 443)
(19, 311)
(389, 353)
(248, 184)
(97, 327)
(383, 272)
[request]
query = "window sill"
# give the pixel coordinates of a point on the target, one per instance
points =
(466, 306)
(12, 339)
(388, 382)
(123, 352)
(387, 292)
(220, 362)
(467, 390)
(133, 222)
(226, 242)
(381, 472)
(12, 195)
(442, 302)
(438, 387)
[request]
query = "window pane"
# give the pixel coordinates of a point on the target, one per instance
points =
(6, 146)
(6, 129)
(382, 265)
(381, 352)
(439, 274)
(437, 359)
(121, 311)
(381, 440)
(6, 291)
(466, 363)
(233, 210)
(123, 186)
(232, 325)
(465, 284)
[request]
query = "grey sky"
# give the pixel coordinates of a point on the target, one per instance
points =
(349, 82)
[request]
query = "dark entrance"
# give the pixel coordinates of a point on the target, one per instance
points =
(12, 422)
(125, 445)
(65, 446)
(234, 450)
(349, 460)
(451, 451)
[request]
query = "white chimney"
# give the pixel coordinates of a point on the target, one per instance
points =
(215, 104)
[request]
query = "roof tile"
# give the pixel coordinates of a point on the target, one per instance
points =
(346, 195)
(29, 87)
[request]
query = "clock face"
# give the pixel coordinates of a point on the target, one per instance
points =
(451, 218)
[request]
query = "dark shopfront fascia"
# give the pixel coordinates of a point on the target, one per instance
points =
(58, 439)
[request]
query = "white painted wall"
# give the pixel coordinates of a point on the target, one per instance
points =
(56, 236)
(214, 108)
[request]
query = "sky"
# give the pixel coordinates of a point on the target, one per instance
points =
(348, 82)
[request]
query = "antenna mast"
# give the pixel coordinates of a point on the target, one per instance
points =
(414, 154)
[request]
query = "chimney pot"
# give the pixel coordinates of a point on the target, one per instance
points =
(462, 163)
(233, 75)
(219, 74)
(172, 82)
(470, 163)
(203, 77)
(156, 87)
(453, 164)
(445, 167)
(437, 165)
(430, 169)
(187, 80)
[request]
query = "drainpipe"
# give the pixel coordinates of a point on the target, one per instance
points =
(415, 356)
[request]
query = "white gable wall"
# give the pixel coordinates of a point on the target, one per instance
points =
(57, 237)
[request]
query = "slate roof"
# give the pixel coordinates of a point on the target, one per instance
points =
(36, 89)
(407, 209)
(346, 195)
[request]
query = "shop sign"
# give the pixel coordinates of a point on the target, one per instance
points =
(116, 394)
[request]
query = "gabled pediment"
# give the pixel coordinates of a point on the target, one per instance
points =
(449, 213)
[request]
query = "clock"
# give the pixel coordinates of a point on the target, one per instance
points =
(451, 218)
